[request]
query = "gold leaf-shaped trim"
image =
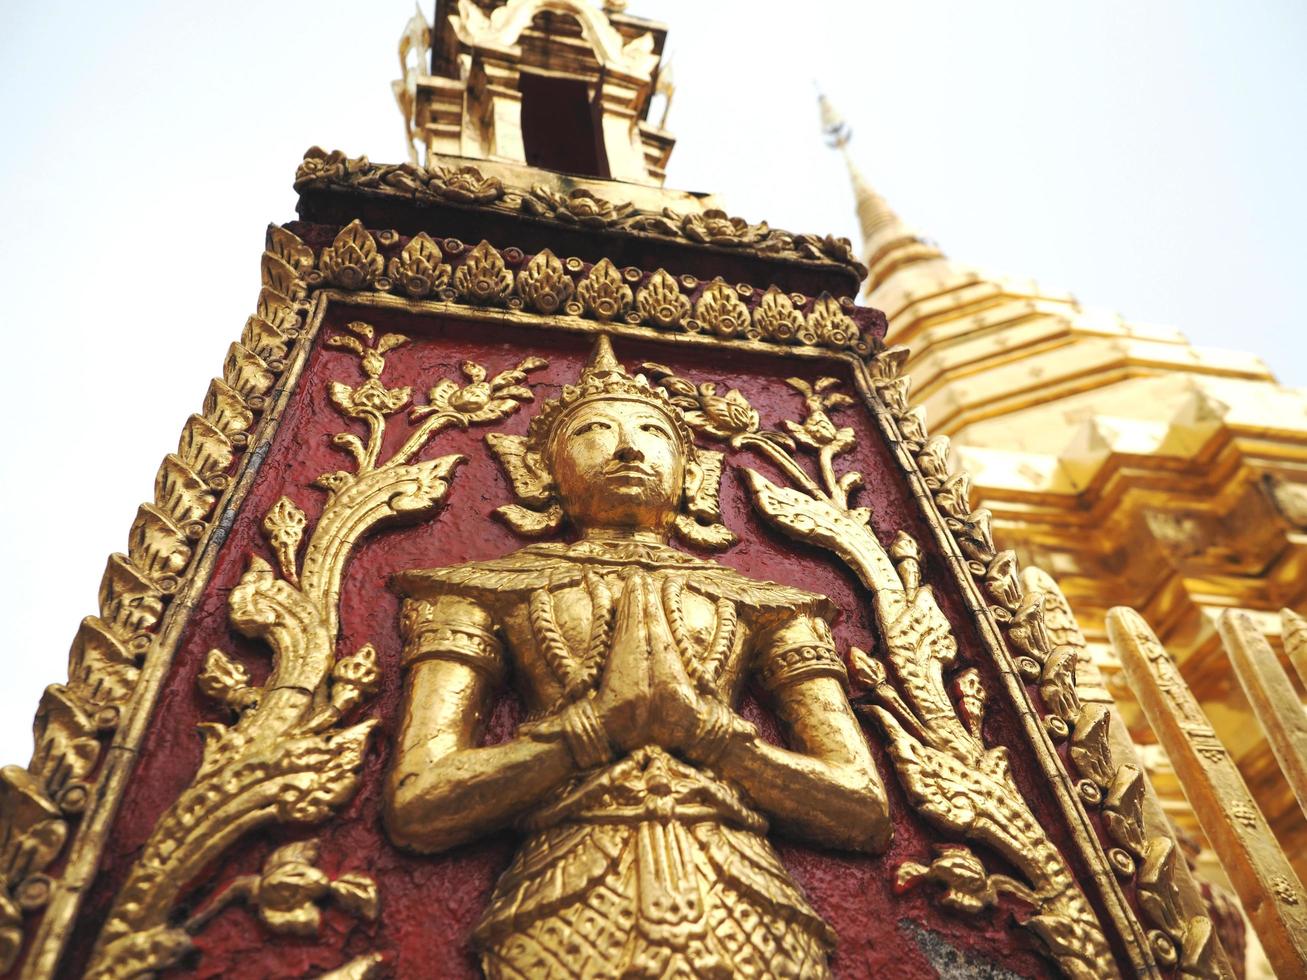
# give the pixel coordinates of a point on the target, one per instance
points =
(182, 495)
(352, 260)
(776, 318)
(830, 324)
(544, 285)
(247, 374)
(660, 301)
(483, 278)
(419, 269)
(263, 339)
(158, 547)
(281, 277)
(720, 311)
(225, 408)
(604, 294)
(128, 600)
(278, 311)
(288, 247)
(204, 448)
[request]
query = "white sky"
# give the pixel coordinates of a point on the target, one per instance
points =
(1146, 154)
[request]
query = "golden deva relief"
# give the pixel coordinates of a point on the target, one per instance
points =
(932, 722)
(644, 796)
(629, 653)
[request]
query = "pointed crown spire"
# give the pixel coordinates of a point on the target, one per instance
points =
(603, 377)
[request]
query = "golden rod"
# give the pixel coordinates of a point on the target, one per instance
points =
(1270, 692)
(1271, 893)
(1293, 628)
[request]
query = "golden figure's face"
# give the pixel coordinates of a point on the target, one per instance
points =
(618, 464)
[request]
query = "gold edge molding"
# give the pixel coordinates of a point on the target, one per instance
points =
(483, 276)
(282, 267)
(247, 382)
(967, 543)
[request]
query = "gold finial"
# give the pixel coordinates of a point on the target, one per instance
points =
(833, 125)
(874, 214)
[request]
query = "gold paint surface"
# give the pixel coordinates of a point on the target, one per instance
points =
(1135, 467)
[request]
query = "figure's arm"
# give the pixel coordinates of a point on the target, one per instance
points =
(443, 787)
(825, 787)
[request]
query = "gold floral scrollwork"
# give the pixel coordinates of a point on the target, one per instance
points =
(603, 292)
(716, 227)
(720, 311)
(966, 885)
(483, 278)
(288, 756)
(288, 893)
(466, 185)
(352, 260)
(660, 301)
(579, 206)
(1047, 653)
(419, 269)
(933, 723)
(544, 284)
(775, 317)
(284, 527)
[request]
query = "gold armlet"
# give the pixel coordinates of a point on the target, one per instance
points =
(469, 645)
(798, 663)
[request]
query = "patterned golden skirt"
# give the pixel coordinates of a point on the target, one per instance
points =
(649, 868)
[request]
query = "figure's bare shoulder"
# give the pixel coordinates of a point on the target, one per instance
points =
(533, 567)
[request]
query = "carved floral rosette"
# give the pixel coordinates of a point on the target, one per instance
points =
(292, 749)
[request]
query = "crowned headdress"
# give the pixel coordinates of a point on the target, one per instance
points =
(525, 458)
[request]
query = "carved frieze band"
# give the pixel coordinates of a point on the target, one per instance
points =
(484, 276)
(469, 187)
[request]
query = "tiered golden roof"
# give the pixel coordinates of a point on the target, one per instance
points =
(1136, 468)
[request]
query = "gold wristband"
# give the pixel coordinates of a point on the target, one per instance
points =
(585, 737)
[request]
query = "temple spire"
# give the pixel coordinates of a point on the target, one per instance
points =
(559, 85)
(874, 212)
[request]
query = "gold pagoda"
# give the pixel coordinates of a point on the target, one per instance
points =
(1134, 467)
